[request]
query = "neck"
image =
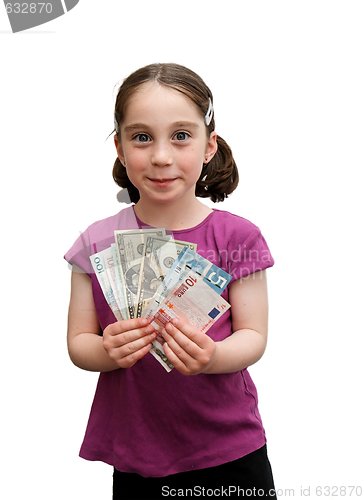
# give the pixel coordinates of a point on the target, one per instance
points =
(172, 217)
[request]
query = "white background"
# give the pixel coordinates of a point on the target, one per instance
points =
(288, 80)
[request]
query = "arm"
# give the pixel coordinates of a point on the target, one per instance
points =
(192, 351)
(123, 343)
(249, 308)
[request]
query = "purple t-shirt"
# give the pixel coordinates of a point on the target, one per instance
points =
(155, 423)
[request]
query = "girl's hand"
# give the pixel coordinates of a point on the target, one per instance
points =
(128, 341)
(190, 350)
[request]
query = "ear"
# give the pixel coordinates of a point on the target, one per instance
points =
(211, 146)
(119, 150)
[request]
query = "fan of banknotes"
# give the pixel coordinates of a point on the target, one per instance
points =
(147, 273)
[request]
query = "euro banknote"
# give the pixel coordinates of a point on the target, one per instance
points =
(193, 300)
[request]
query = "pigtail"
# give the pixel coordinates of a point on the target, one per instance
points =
(219, 177)
(121, 178)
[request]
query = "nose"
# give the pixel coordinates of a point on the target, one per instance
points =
(162, 154)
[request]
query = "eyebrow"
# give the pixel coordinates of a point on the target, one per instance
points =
(143, 126)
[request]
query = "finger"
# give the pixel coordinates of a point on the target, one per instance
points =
(126, 325)
(180, 346)
(178, 364)
(132, 335)
(134, 357)
(132, 347)
(180, 342)
(190, 331)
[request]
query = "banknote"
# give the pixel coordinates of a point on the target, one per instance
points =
(159, 256)
(130, 246)
(116, 278)
(110, 272)
(119, 282)
(193, 301)
(98, 265)
(158, 353)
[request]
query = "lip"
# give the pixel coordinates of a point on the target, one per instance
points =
(163, 181)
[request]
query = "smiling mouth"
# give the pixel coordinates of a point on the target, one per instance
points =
(163, 181)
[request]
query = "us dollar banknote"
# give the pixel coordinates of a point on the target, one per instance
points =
(130, 248)
(160, 254)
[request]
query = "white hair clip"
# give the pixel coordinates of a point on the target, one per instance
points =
(209, 113)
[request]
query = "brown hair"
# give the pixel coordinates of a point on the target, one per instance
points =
(220, 176)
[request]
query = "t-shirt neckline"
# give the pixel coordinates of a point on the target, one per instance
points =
(185, 230)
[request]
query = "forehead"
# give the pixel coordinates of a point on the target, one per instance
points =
(152, 99)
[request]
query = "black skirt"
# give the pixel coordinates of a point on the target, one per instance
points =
(249, 476)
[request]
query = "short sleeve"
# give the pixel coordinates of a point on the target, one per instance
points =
(98, 236)
(248, 255)
(79, 253)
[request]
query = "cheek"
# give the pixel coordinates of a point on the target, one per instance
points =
(193, 156)
(135, 159)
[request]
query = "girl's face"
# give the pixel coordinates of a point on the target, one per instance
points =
(163, 144)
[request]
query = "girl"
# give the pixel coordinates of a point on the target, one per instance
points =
(196, 430)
